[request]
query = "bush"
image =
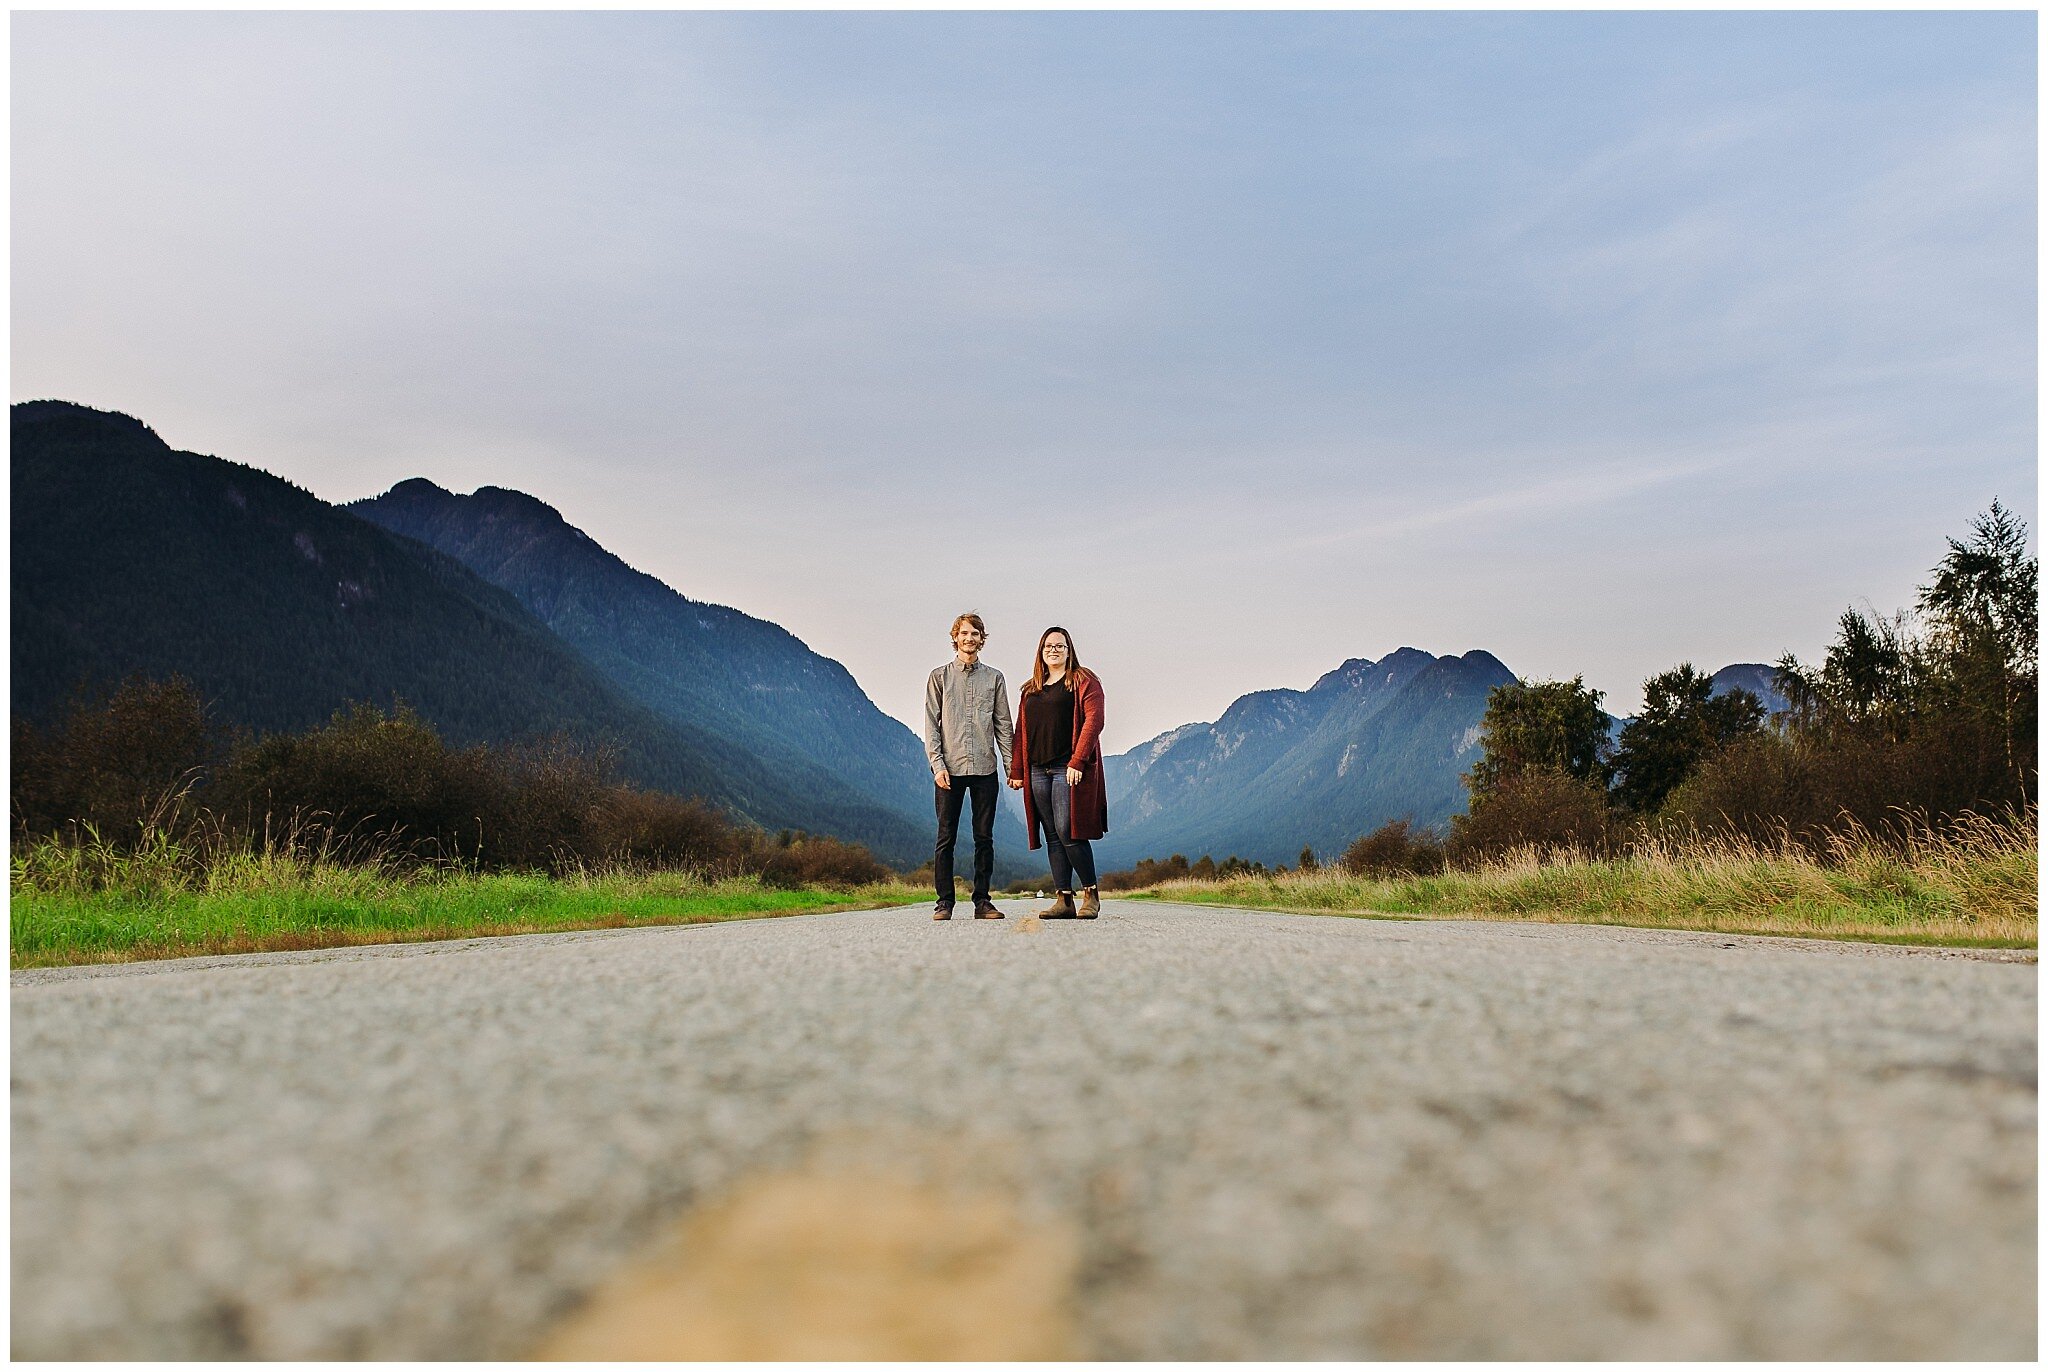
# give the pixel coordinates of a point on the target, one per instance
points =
(377, 783)
(1396, 848)
(551, 803)
(1807, 786)
(1148, 872)
(117, 764)
(807, 860)
(647, 828)
(1539, 808)
(127, 779)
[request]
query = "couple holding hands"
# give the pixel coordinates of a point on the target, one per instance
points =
(1053, 754)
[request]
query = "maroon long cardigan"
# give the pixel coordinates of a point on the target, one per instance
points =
(1090, 817)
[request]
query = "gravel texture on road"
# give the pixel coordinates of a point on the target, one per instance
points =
(1274, 1136)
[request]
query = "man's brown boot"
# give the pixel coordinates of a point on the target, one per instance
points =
(1091, 903)
(1062, 906)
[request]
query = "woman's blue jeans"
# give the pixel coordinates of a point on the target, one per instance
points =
(1053, 802)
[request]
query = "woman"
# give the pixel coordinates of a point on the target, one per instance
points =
(1056, 756)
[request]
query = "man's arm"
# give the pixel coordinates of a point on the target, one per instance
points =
(934, 740)
(1004, 729)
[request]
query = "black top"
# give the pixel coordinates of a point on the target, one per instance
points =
(1049, 723)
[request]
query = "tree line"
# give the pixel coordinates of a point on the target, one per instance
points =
(1909, 722)
(145, 764)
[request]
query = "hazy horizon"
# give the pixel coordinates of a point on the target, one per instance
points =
(1240, 344)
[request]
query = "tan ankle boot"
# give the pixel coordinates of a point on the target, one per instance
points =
(1062, 906)
(1091, 903)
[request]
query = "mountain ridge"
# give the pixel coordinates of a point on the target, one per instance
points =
(689, 660)
(132, 556)
(1281, 769)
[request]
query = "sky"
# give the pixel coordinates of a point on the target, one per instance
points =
(1239, 344)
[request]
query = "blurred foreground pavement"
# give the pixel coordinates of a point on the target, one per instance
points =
(1171, 1133)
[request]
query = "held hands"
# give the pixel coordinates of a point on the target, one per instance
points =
(1016, 783)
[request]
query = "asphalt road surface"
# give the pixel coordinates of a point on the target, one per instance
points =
(1170, 1133)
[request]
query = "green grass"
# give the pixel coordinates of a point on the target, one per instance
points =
(1977, 887)
(286, 905)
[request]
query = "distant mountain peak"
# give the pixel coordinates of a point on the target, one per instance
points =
(1480, 659)
(487, 504)
(1758, 678)
(1357, 672)
(503, 499)
(71, 412)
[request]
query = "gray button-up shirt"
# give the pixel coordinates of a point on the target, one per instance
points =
(967, 720)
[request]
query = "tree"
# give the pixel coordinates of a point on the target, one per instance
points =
(1984, 610)
(1869, 685)
(1682, 723)
(1932, 716)
(1307, 860)
(1554, 726)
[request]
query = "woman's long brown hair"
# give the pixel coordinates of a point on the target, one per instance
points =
(1037, 682)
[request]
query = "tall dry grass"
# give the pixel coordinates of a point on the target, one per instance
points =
(187, 885)
(1973, 881)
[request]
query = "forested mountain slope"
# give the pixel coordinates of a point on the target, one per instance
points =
(131, 557)
(745, 678)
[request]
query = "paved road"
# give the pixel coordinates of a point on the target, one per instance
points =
(1261, 1135)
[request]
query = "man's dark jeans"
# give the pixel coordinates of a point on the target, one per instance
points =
(947, 802)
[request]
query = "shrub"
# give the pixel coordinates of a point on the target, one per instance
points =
(1539, 809)
(650, 829)
(1148, 872)
(106, 793)
(1806, 786)
(1396, 848)
(807, 860)
(551, 800)
(116, 764)
(375, 781)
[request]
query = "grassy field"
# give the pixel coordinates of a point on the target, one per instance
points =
(1978, 888)
(280, 906)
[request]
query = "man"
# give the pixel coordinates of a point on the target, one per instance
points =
(967, 740)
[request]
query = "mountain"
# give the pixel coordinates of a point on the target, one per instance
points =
(745, 679)
(1368, 742)
(1758, 679)
(129, 556)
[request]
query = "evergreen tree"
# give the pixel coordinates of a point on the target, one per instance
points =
(1682, 723)
(1983, 607)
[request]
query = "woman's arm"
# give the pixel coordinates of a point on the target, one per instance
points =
(1088, 700)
